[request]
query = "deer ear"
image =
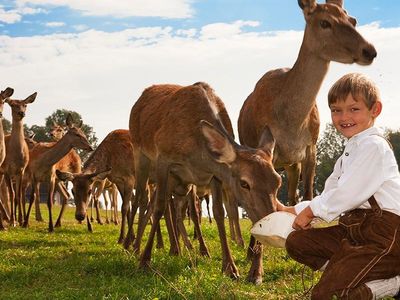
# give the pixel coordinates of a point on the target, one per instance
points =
(64, 175)
(218, 145)
(7, 93)
(267, 141)
(308, 6)
(336, 2)
(101, 175)
(69, 121)
(31, 98)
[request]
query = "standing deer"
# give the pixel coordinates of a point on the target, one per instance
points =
(180, 131)
(3, 97)
(284, 100)
(17, 156)
(43, 161)
(112, 159)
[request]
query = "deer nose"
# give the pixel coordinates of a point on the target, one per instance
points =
(21, 114)
(369, 53)
(79, 217)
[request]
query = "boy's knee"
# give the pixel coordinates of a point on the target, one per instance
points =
(293, 243)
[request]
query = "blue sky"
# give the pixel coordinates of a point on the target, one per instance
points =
(96, 57)
(48, 18)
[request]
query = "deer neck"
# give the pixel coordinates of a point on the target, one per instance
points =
(17, 133)
(57, 152)
(2, 143)
(301, 86)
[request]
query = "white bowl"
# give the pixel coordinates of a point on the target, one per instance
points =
(273, 229)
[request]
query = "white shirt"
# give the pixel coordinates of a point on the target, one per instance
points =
(367, 167)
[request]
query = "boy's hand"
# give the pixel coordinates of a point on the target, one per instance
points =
(303, 219)
(281, 207)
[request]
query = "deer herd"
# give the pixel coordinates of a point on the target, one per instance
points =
(180, 147)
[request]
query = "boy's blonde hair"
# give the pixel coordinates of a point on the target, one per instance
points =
(358, 85)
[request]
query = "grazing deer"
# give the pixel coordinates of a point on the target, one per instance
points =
(112, 159)
(284, 99)
(180, 130)
(17, 156)
(4, 95)
(43, 161)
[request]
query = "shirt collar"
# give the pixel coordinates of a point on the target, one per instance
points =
(363, 134)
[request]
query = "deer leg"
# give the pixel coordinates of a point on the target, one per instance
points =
(130, 236)
(160, 242)
(256, 271)
(62, 190)
(163, 194)
(18, 198)
(106, 202)
(38, 214)
(194, 214)
(50, 205)
(180, 208)
(34, 192)
(293, 172)
(142, 168)
(4, 212)
(143, 222)
(125, 212)
(172, 228)
(231, 206)
(308, 172)
(228, 265)
(12, 200)
(5, 196)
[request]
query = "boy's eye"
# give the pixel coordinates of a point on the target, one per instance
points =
(355, 109)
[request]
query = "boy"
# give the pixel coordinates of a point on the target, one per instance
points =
(360, 255)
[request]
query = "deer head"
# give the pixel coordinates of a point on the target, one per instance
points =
(3, 96)
(82, 188)
(331, 33)
(75, 136)
(250, 176)
(18, 107)
(57, 131)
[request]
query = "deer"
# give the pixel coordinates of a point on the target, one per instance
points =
(284, 100)
(110, 193)
(17, 157)
(112, 159)
(4, 95)
(182, 132)
(43, 162)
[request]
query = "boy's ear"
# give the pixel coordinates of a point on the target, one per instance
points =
(377, 109)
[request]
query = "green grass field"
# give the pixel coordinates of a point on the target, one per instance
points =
(71, 263)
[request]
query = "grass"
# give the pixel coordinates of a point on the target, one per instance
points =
(74, 264)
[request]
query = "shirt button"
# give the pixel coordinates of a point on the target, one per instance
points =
(346, 153)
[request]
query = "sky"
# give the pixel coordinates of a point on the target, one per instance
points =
(96, 57)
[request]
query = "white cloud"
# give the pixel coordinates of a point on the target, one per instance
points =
(121, 8)
(102, 74)
(10, 16)
(55, 24)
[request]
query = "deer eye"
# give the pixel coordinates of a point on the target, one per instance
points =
(325, 24)
(244, 185)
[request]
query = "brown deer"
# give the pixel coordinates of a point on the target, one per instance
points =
(4, 95)
(115, 153)
(181, 130)
(17, 156)
(43, 161)
(284, 100)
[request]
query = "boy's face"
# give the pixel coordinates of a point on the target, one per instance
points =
(350, 117)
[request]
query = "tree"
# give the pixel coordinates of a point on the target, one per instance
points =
(329, 148)
(394, 139)
(6, 126)
(59, 117)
